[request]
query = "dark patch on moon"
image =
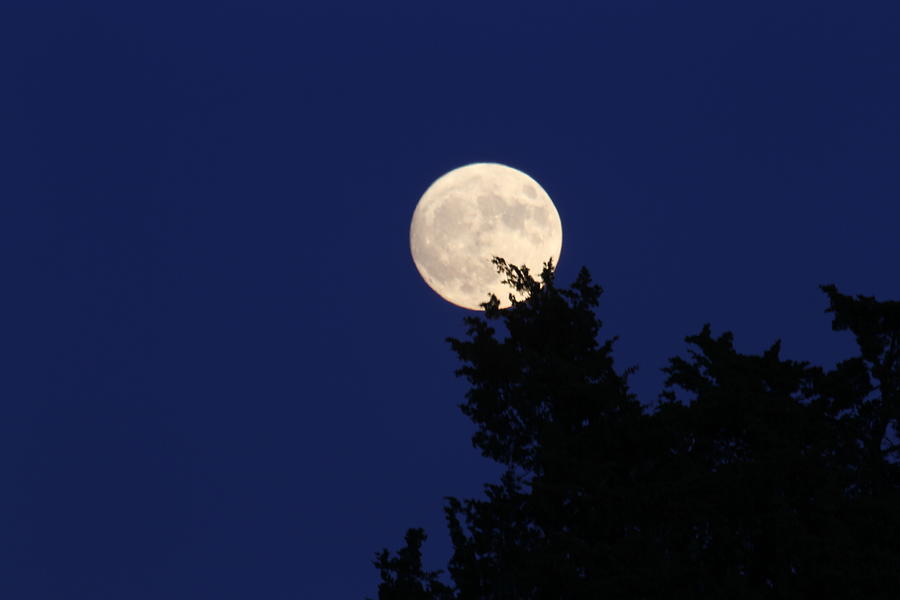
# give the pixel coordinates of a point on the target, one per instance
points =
(490, 206)
(514, 217)
(449, 216)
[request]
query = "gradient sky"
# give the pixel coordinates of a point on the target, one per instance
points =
(223, 376)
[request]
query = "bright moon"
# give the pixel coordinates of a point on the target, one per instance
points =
(473, 214)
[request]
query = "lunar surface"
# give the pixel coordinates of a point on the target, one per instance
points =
(472, 214)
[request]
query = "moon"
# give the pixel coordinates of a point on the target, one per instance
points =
(476, 212)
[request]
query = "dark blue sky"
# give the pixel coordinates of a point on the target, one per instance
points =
(223, 376)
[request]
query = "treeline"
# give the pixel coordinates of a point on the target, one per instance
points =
(754, 477)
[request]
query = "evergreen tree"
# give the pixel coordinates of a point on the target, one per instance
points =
(755, 477)
(403, 578)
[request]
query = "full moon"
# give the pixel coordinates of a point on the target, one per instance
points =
(472, 214)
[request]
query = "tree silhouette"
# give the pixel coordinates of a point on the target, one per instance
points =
(403, 578)
(754, 477)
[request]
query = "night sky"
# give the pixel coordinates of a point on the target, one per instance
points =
(223, 376)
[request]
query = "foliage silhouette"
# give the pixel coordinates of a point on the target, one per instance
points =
(755, 476)
(403, 578)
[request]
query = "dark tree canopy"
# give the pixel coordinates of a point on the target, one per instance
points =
(754, 477)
